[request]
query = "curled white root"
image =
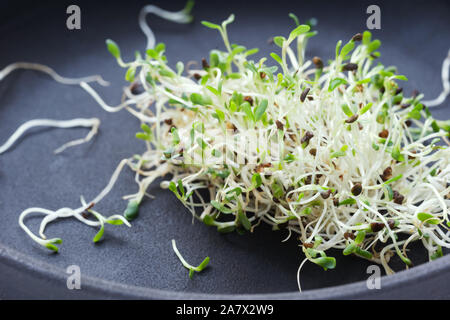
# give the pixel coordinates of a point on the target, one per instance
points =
(445, 83)
(92, 123)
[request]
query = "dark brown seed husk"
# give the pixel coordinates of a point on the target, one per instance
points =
(308, 180)
(398, 198)
(357, 37)
(262, 75)
(405, 105)
(279, 124)
(376, 226)
(168, 122)
(310, 98)
(318, 62)
(360, 126)
(349, 235)
(408, 123)
(308, 135)
(391, 224)
(387, 174)
(249, 100)
(205, 64)
(350, 67)
(313, 152)
(308, 245)
(412, 157)
(399, 90)
(352, 119)
(357, 189)
(136, 88)
(260, 167)
(336, 202)
(383, 211)
(384, 134)
(293, 137)
(304, 94)
(325, 194)
(197, 76)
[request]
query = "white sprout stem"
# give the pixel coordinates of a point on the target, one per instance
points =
(445, 83)
(92, 123)
(178, 17)
(298, 274)
(184, 262)
(102, 103)
(45, 69)
(67, 212)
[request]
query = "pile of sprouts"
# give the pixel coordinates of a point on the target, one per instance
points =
(333, 152)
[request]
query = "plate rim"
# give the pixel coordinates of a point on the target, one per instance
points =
(107, 289)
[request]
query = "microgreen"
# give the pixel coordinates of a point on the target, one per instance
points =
(191, 268)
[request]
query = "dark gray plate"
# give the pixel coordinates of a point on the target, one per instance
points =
(139, 262)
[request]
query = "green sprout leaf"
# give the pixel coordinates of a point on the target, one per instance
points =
(208, 220)
(221, 207)
(276, 58)
(51, 247)
(279, 40)
(351, 248)
(365, 108)
(113, 48)
(336, 82)
(211, 25)
(360, 236)
(197, 98)
(347, 110)
(394, 179)
(260, 109)
(428, 218)
(132, 210)
(246, 107)
(294, 17)
(244, 220)
(325, 262)
(99, 234)
(347, 49)
(50, 244)
(349, 201)
(129, 76)
(191, 268)
(363, 253)
(298, 31)
(396, 154)
(116, 222)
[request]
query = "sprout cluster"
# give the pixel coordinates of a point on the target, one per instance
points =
(337, 155)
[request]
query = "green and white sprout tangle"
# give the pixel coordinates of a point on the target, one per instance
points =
(332, 152)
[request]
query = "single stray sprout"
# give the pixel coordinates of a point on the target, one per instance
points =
(191, 268)
(93, 123)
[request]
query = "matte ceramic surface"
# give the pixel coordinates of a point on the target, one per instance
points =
(139, 262)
